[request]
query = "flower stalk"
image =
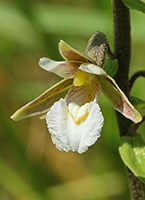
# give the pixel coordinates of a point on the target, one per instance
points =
(134, 78)
(122, 51)
(137, 188)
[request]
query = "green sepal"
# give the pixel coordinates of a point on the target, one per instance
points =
(42, 104)
(135, 4)
(111, 66)
(138, 103)
(112, 91)
(132, 152)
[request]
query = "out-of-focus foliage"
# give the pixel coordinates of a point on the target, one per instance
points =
(135, 4)
(30, 166)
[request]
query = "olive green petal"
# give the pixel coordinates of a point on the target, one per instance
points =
(112, 91)
(42, 103)
(69, 53)
(118, 99)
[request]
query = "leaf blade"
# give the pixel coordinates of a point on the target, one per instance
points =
(132, 152)
(135, 4)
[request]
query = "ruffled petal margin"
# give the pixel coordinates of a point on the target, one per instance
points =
(64, 69)
(114, 94)
(68, 135)
(43, 103)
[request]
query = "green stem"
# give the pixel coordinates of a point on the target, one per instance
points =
(122, 51)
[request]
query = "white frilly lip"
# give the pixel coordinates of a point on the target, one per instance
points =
(68, 135)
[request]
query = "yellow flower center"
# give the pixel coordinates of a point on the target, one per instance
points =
(77, 112)
(79, 78)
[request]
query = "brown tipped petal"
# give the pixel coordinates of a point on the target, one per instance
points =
(64, 69)
(112, 91)
(69, 53)
(118, 99)
(42, 103)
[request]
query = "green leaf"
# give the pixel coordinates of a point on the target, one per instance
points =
(132, 152)
(111, 67)
(138, 103)
(135, 4)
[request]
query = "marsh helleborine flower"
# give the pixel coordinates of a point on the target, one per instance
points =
(75, 121)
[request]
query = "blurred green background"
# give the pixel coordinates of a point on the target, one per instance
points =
(31, 168)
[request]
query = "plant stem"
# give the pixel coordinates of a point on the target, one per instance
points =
(122, 51)
(134, 78)
(137, 187)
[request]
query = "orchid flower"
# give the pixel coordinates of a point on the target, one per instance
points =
(73, 116)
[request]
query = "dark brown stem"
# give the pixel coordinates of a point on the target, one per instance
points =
(122, 51)
(137, 188)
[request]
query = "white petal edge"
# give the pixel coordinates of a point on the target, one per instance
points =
(91, 68)
(48, 64)
(66, 134)
(65, 69)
